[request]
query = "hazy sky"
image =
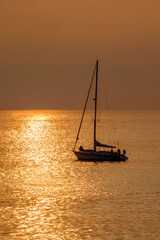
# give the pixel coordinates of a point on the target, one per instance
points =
(48, 49)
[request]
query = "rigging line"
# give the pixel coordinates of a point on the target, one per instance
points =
(84, 108)
(99, 110)
(108, 104)
(104, 90)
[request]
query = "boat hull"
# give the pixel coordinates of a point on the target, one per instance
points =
(99, 156)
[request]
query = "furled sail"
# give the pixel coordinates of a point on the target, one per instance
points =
(98, 144)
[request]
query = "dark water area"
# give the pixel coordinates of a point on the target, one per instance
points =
(45, 193)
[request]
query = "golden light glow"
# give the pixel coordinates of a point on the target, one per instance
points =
(48, 49)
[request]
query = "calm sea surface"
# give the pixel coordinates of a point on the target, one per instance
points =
(45, 193)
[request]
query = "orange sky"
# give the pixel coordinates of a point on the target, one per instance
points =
(48, 49)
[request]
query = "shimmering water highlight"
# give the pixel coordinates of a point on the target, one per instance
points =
(47, 194)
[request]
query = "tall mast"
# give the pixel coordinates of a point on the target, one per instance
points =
(95, 111)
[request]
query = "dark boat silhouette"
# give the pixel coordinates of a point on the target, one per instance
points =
(95, 154)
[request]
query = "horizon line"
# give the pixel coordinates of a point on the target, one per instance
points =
(61, 109)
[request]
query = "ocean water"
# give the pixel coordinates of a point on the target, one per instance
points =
(45, 193)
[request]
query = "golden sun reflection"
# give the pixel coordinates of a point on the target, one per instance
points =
(47, 194)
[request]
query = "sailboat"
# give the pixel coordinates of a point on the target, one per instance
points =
(97, 154)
